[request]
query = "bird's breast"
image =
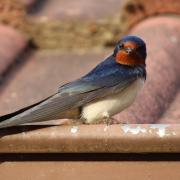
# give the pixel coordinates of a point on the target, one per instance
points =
(111, 105)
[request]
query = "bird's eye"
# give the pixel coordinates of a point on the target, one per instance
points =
(128, 50)
(121, 46)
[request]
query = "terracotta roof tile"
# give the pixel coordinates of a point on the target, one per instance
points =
(27, 3)
(172, 115)
(11, 45)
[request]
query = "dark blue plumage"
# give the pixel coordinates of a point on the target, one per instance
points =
(114, 72)
(135, 39)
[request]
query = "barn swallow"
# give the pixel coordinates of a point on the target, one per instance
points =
(105, 91)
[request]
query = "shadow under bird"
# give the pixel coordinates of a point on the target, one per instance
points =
(105, 91)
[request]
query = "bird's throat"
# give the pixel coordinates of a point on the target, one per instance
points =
(130, 60)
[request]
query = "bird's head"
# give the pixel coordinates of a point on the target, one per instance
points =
(131, 51)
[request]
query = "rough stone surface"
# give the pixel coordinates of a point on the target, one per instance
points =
(137, 10)
(79, 9)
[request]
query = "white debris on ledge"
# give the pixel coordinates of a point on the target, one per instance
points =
(74, 129)
(126, 128)
(160, 129)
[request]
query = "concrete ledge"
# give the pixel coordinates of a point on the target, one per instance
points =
(93, 138)
(90, 170)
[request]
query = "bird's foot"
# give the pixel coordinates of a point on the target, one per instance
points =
(107, 119)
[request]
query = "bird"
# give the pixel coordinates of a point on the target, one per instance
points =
(106, 90)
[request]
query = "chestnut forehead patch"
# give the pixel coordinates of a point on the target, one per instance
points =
(130, 44)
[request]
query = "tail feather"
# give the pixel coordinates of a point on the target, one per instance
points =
(24, 115)
(8, 116)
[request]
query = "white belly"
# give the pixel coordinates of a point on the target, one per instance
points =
(111, 105)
